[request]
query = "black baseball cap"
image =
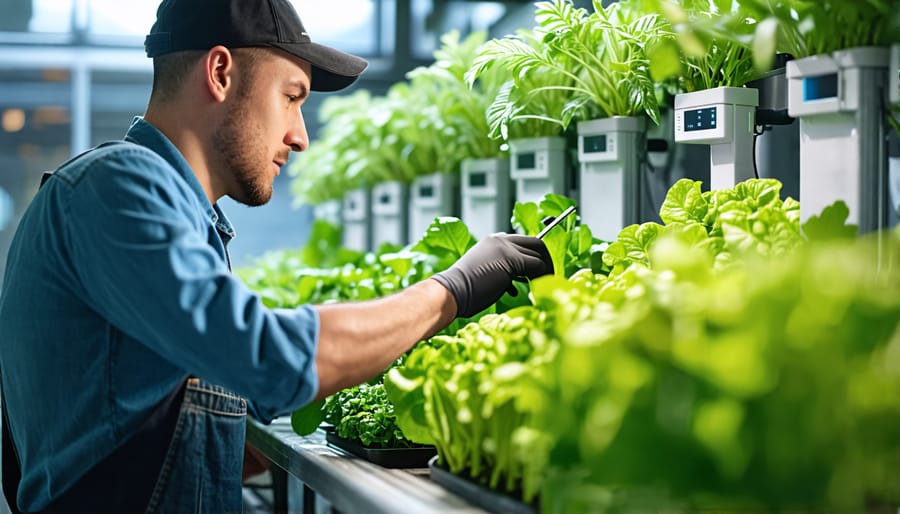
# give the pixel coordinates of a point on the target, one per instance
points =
(203, 24)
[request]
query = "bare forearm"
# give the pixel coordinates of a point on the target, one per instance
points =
(359, 340)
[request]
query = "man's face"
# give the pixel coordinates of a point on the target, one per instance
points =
(263, 124)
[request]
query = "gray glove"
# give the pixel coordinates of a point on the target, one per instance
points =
(479, 278)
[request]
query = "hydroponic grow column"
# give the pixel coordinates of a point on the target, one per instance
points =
(432, 196)
(539, 167)
(390, 213)
(357, 228)
(486, 196)
(611, 184)
(839, 99)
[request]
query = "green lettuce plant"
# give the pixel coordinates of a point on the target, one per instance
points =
(801, 28)
(708, 388)
(674, 382)
(571, 246)
(748, 217)
(322, 272)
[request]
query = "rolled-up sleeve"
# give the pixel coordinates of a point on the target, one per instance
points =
(148, 268)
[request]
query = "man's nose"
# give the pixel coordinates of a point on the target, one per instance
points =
(297, 137)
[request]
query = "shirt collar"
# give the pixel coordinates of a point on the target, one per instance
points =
(145, 134)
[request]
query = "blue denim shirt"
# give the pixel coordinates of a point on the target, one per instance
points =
(117, 288)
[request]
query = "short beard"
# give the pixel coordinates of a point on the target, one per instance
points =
(238, 155)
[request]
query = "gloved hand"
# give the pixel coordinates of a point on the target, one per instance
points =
(479, 278)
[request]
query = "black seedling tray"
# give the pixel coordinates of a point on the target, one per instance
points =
(386, 457)
(477, 494)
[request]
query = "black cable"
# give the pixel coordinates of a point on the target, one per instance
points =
(753, 151)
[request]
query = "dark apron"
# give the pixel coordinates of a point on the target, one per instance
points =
(197, 469)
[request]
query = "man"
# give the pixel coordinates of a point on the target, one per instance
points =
(128, 349)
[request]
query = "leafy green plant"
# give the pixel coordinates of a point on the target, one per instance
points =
(711, 46)
(728, 42)
(749, 217)
(804, 27)
(428, 142)
(597, 61)
(517, 112)
(737, 381)
(363, 413)
(436, 385)
(286, 279)
(571, 246)
(672, 382)
(461, 106)
(425, 125)
(460, 392)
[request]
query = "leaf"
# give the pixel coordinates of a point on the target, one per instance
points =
(691, 44)
(581, 247)
(673, 12)
(830, 224)
(307, 419)
(554, 205)
(632, 246)
(548, 286)
(404, 388)
(764, 44)
(400, 263)
(684, 203)
(526, 219)
(665, 61)
(447, 239)
(758, 192)
(557, 242)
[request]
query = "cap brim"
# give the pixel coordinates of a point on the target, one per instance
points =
(332, 69)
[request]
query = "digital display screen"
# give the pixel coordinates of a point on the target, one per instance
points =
(525, 161)
(426, 191)
(820, 88)
(595, 143)
(700, 119)
(477, 179)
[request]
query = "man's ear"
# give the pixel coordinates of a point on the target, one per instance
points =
(218, 67)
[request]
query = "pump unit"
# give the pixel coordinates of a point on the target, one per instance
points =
(725, 119)
(838, 99)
